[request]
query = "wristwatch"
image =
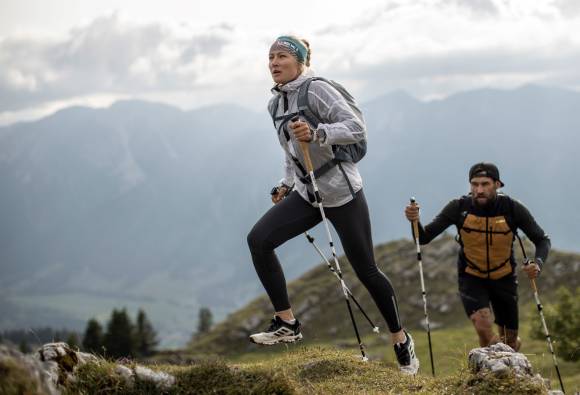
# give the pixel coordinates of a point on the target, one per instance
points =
(320, 135)
(275, 190)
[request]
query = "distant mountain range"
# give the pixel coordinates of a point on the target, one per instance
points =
(144, 205)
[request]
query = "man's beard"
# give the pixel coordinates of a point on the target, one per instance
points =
(487, 203)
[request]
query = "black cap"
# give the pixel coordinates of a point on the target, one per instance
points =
(485, 169)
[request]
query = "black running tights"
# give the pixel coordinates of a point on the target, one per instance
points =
(293, 216)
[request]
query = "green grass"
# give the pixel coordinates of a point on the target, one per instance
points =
(298, 370)
(450, 350)
(315, 367)
(207, 377)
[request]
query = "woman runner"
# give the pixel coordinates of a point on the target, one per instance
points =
(295, 209)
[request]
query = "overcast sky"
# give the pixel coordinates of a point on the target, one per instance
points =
(191, 53)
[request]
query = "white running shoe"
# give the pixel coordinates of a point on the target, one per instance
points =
(408, 361)
(279, 331)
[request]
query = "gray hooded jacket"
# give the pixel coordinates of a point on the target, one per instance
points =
(342, 127)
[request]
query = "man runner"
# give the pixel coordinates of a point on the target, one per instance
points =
(487, 222)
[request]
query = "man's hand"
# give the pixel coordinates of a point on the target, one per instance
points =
(301, 131)
(412, 212)
(280, 194)
(532, 270)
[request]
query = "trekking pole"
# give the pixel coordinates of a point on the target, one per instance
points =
(339, 276)
(423, 292)
(306, 153)
(540, 310)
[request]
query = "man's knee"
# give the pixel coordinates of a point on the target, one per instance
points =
(481, 319)
(483, 324)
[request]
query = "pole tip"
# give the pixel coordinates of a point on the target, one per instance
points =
(376, 329)
(412, 199)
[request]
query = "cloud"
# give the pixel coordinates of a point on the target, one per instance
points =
(476, 7)
(430, 48)
(568, 8)
(433, 48)
(437, 75)
(107, 56)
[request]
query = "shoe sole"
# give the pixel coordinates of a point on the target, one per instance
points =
(286, 339)
(411, 369)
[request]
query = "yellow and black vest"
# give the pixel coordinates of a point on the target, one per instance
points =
(487, 245)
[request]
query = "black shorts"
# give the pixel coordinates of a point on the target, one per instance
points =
(502, 295)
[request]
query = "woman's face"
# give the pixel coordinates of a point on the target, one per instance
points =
(283, 67)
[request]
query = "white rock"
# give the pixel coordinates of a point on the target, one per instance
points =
(499, 359)
(58, 360)
(86, 358)
(37, 369)
(51, 371)
(126, 373)
(52, 351)
(162, 380)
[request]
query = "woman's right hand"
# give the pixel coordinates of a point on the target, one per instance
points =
(280, 194)
(412, 212)
(301, 130)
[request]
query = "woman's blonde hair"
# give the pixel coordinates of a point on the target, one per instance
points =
(307, 45)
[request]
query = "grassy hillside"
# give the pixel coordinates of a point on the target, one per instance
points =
(302, 370)
(318, 301)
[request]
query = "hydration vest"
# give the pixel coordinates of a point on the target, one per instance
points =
(487, 245)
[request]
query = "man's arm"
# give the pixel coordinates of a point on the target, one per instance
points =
(447, 217)
(526, 222)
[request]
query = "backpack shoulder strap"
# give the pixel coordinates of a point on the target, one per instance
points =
(510, 216)
(304, 104)
(274, 104)
(464, 205)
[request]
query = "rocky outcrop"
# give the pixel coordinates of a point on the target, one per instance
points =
(55, 364)
(61, 361)
(25, 373)
(501, 360)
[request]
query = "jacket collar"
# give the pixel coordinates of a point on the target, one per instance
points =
(293, 85)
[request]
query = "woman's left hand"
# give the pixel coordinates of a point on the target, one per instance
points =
(301, 131)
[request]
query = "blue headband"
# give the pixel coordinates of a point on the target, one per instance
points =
(289, 44)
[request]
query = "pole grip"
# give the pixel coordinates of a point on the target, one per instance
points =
(305, 147)
(415, 223)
